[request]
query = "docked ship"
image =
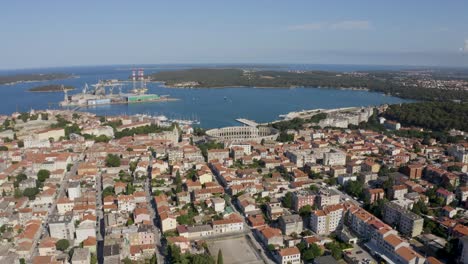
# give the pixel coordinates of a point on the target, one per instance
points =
(102, 93)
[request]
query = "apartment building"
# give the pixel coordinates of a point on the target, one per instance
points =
(291, 224)
(326, 220)
(407, 222)
(62, 227)
(327, 197)
(303, 198)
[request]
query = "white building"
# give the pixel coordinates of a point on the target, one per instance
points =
(334, 158)
(290, 255)
(74, 190)
(327, 220)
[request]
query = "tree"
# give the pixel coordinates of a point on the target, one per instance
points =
(288, 200)
(94, 259)
(178, 182)
(108, 191)
(454, 168)
(271, 247)
(335, 249)
(305, 210)
(62, 245)
(130, 189)
(354, 188)
(22, 261)
(112, 160)
(127, 261)
(18, 193)
(43, 175)
(312, 252)
(3, 148)
(153, 260)
(420, 208)
(220, 257)
(31, 193)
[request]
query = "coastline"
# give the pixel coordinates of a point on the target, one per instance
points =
(34, 81)
(164, 85)
(50, 91)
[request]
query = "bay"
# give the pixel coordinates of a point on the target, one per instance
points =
(212, 107)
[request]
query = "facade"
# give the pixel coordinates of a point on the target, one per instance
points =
(327, 197)
(397, 192)
(274, 210)
(334, 158)
(218, 154)
(231, 224)
(407, 222)
(372, 195)
(290, 255)
(242, 133)
(168, 222)
(413, 171)
(291, 224)
(270, 236)
(328, 220)
(303, 198)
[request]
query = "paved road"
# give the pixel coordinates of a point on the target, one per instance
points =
(53, 208)
(100, 220)
(152, 209)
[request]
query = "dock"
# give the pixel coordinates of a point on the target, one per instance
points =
(247, 122)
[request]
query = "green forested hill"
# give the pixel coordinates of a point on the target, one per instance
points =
(32, 77)
(378, 82)
(437, 116)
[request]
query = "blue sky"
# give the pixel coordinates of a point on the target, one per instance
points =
(70, 33)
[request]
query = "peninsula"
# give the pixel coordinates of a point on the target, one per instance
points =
(410, 84)
(33, 77)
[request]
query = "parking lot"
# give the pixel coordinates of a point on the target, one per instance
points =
(359, 255)
(235, 251)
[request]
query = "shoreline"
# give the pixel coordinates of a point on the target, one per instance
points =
(261, 87)
(117, 103)
(54, 91)
(34, 81)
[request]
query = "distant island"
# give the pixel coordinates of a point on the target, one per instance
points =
(34, 77)
(51, 88)
(417, 84)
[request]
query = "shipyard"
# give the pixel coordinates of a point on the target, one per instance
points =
(102, 93)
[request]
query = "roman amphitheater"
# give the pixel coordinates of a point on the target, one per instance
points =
(242, 133)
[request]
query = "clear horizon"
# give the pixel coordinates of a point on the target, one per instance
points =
(50, 33)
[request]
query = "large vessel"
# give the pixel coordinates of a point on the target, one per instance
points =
(102, 93)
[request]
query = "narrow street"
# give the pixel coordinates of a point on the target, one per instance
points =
(53, 208)
(152, 209)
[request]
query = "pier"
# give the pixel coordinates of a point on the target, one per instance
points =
(247, 122)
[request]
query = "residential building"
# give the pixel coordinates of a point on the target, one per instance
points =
(290, 255)
(407, 222)
(303, 198)
(81, 256)
(327, 220)
(291, 224)
(62, 227)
